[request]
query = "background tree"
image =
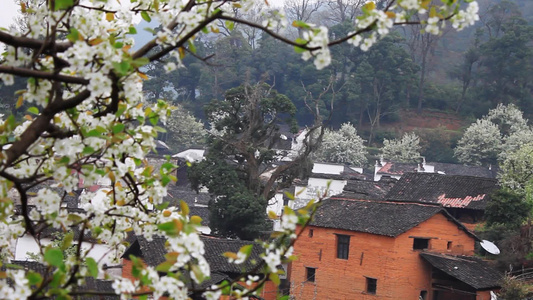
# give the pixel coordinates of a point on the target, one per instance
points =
(507, 208)
(342, 146)
(493, 137)
(245, 128)
(516, 172)
(184, 131)
(406, 149)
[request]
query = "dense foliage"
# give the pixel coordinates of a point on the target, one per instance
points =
(342, 146)
(494, 137)
(245, 128)
(406, 149)
(374, 87)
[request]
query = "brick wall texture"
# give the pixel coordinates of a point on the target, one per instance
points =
(400, 272)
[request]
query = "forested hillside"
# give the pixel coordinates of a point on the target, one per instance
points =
(462, 73)
(409, 75)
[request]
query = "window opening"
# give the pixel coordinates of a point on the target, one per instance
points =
(343, 246)
(371, 285)
(310, 274)
(420, 244)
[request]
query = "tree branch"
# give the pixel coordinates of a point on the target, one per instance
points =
(25, 42)
(40, 125)
(43, 75)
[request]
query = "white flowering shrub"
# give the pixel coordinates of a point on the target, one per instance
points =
(516, 171)
(89, 123)
(342, 146)
(494, 137)
(184, 131)
(406, 149)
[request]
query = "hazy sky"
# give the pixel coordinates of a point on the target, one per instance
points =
(8, 10)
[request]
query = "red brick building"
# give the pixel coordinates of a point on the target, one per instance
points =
(360, 249)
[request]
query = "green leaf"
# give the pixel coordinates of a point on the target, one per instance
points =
(67, 241)
(299, 50)
(247, 249)
(165, 180)
(63, 4)
(93, 133)
(122, 68)
(57, 278)
(34, 110)
(184, 208)
(73, 35)
(54, 257)
(146, 16)
(74, 218)
(139, 62)
(300, 24)
(171, 228)
(274, 278)
(92, 266)
(132, 30)
(118, 128)
(168, 166)
(154, 119)
(151, 30)
(164, 266)
(118, 45)
(230, 25)
(88, 150)
(289, 195)
(162, 205)
(192, 48)
(34, 278)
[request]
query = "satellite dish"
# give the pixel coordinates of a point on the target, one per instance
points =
(490, 247)
(493, 296)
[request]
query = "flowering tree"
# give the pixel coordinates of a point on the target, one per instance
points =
(88, 121)
(494, 137)
(516, 172)
(406, 149)
(184, 130)
(342, 146)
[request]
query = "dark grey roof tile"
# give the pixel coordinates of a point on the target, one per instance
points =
(376, 217)
(447, 190)
(471, 270)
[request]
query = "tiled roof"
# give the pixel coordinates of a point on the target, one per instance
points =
(202, 212)
(215, 247)
(457, 169)
(376, 217)
(343, 176)
(393, 168)
(365, 189)
(91, 284)
(177, 193)
(471, 270)
(446, 190)
(153, 252)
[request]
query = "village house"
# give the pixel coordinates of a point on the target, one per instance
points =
(464, 197)
(368, 249)
(396, 170)
(153, 253)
